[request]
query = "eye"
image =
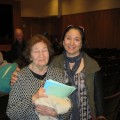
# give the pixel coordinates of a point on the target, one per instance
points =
(77, 39)
(68, 38)
(35, 51)
(45, 50)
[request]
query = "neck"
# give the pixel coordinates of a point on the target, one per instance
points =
(72, 55)
(73, 59)
(71, 65)
(41, 70)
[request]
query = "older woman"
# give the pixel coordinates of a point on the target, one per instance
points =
(29, 86)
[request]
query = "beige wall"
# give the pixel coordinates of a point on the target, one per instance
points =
(39, 8)
(81, 6)
(43, 8)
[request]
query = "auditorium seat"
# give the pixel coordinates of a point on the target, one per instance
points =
(112, 106)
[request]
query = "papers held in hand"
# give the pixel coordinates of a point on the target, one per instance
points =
(58, 89)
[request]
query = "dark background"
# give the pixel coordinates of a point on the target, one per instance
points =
(6, 23)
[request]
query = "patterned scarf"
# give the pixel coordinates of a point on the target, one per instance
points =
(71, 73)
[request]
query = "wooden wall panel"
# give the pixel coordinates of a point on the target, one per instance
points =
(32, 26)
(102, 27)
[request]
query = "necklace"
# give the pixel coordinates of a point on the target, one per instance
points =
(42, 83)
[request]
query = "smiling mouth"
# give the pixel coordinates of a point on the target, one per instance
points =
(71, 48)
(41, 60)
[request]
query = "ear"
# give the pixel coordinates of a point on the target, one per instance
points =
(30, 59)
(63, 43)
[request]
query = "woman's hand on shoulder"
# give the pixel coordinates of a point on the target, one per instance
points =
(14, 76)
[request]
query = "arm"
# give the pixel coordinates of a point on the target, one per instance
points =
(42, 108)
(60, 105)
(99, 99)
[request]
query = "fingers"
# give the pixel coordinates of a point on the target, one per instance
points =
(17, 69)
(47, 111)
(41, 92)
(14, 76)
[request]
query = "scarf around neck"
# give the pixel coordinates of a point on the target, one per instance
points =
(71, 73)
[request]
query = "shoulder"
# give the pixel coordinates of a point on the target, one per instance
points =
(24, 41)
(91, 63)
(55, 73)
(25, 76)
(24, 72)
(55, 69)
(90, 59)
(58, 61)
(58, 58)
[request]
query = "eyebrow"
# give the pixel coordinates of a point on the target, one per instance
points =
(37, 48)
(71, 36)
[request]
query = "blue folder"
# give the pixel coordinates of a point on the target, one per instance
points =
(58, 89)
(5, 76)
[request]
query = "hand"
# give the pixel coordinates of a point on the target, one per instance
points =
(101, 118)
(46, 111)
(14, 76)
(3, 63)
(40, 93)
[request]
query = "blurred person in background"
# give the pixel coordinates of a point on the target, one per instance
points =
(18, 48)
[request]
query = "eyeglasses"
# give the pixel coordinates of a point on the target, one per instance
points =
(80, 27)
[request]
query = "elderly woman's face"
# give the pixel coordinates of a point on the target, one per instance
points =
(72, 42)
(40, 54)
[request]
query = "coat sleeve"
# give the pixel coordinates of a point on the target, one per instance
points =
(99, 99)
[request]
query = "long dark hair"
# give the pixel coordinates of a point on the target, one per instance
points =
(81, 31)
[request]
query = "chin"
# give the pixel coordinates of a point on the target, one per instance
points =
(72, 54)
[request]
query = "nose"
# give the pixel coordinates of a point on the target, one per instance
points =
(40, 54)
(72, 42)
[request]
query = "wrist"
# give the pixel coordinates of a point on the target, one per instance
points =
(33, 99)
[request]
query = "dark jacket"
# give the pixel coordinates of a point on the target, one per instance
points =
(93, 82)
(17, 53)
(17, 49)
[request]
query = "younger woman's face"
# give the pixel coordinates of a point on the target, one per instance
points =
(40, 54)
(72, 42)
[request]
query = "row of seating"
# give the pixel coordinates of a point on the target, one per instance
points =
(109, 61)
